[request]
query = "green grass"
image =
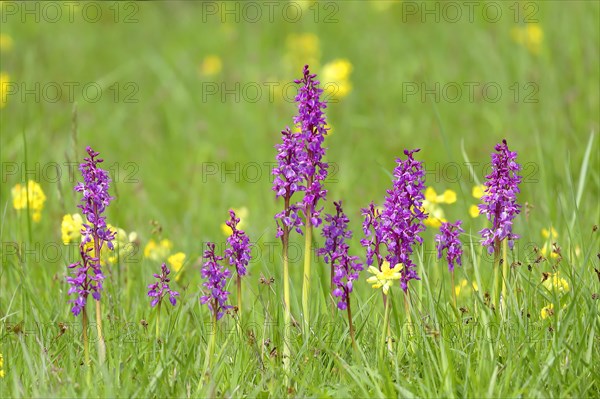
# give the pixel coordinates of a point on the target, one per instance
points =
(159, 147)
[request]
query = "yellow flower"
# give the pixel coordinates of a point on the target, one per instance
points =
(176, 262)
(71, 228)
(211, 65)
(551, 234)
(33, 194)
(478, 191)
(124, 246)
(463, 283)
(4, 81)
(303, 49)
(435, 213)
(448, 197)
(474, 211)
(1, 366)
(530, 36)
(158, 251)
(241, 213)
(335, 78)
(556, 283)
(384, 277)
(6, 42)
(547, 311)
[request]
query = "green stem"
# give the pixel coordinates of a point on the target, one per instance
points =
(239, 295)
(158, 320)
(286, 302)
(212, 342)
(452, 288)
(386, 316)
(351, 327)
(306, 280)
(86, 349)
(497, 275)
(101, 344)
(505, 274)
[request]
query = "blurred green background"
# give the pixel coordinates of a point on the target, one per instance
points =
(185, 102)
(172, 103)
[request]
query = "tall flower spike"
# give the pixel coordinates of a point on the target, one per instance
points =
(373, 234)
(402, 216)
(289, 179)
(216, 276)
(500, 198)
(448, 240)
(311, 122)
(238, 250)
(87, 272)
(157, 291)
(335, 252)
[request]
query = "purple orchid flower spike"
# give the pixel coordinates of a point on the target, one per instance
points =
(157, 291)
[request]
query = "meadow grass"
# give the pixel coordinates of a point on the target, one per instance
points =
(161, 151)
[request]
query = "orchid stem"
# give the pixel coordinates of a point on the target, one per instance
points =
(306, 281)
(386, 316)
(158, 320)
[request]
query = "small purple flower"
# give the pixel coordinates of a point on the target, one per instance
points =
(288, 179)
(373, 234)
(160, 289)
(311, 121)
(238, 250)
(216, 276)
(402, 215)
(345, 268)
(448, 240)
(88, 272)
(500, 198)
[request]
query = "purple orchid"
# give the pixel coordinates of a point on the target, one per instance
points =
(500, 198)
(345, 268)
(448, 240)
(87, 272)
(157, 291)
(216, 276)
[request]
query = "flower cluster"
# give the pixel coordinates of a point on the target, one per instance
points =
(238, 249)
(402, 216)
(477, 192)
(31, 197)
(530, 36)
(312, 124)
(70, 228)
(288, 179)
(554, 282)
(94, 189)
(500, 198)
(300, 159)
(242, 214)
(448, 240)
(345, 267)
(373, 234)
(160, 251)
(88, 272)
(216, 276)
(157, 291)
(435, 213)
(336, 78)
